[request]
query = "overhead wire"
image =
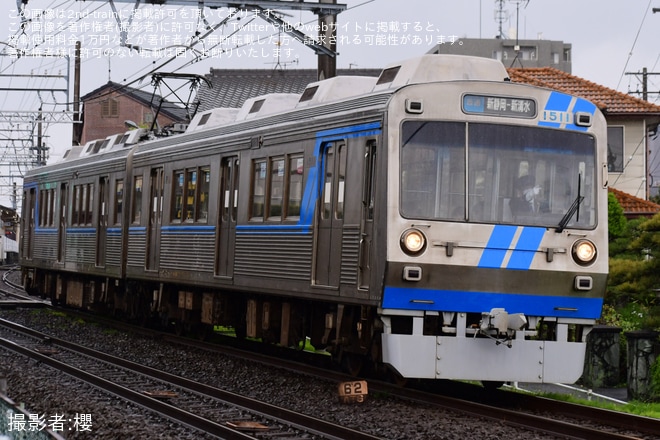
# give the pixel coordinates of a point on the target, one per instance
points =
(630, 53)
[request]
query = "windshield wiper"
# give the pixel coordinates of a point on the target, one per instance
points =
(575, 207)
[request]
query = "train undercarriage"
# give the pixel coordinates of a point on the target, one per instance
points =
(350, 333)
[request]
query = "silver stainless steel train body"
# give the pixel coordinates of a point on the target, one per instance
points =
(439, 219)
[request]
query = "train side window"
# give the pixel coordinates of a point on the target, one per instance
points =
(191, 195)
(51, 207)
(75, 205)
(276, 187)
(42, 211)
(43, 214)
(294, 185)
(89, 208)
(119, 201)
(203, 197)
(258, 189)
(369, 180)
(326, 196)
(191, 190)
(341, 179)
(177, 192)
(137, 200)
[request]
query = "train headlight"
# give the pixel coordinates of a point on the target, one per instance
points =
(413, 242)
(584, 252)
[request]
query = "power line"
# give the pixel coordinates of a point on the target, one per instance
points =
(639, 30)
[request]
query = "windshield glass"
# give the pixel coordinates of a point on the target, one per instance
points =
(516, 175)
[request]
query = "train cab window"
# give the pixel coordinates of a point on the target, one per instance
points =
(514, 174)
(258, 189)
(433, 170)
(119, 201)
(136, 217)
(530, 176)
(295, 186)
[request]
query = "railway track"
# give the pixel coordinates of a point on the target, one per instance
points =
(13, 295)
(203, 408)
(164, 392)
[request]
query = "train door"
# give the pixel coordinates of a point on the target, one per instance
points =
(226, 236)
(155, 218)
(32, 201)
(330, 218)
(61, 223)
(367, 217)
(102, 222)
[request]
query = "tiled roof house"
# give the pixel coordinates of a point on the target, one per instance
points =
(634, 207)
(630, 120)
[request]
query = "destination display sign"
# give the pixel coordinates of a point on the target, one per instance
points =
(499, 106)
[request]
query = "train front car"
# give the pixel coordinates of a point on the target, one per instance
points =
(497, 243)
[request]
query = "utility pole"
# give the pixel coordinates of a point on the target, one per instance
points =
(76, 126)
(327, 65)
(645, 89)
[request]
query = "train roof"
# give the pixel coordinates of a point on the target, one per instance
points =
(422, 69)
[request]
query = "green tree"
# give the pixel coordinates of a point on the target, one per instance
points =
(616, 221)
(634, 281)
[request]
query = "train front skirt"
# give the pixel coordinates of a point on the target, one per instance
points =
(468, 355)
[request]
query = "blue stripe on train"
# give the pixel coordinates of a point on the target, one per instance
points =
(500, 242)
(315, 172)
(560, 105)
(405, 298)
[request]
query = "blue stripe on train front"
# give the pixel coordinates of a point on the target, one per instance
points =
(408, 298)
(560, 110)
(499, 245)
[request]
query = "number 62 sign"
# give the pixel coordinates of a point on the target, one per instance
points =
(353, 392)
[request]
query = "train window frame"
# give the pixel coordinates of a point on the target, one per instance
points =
(258, 176)
(341, 153)
(118, 202)
(75, 205)
(47, 207)
(190, 192)
(138, 193)
(528, 182)
(190, 195)
(178, 188)
(229, 176)
(292, 211)
(276, 182)
(82, 211)
(203, 193)
(263, 171)
(89, 204)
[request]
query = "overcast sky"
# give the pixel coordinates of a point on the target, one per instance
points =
(609, 38)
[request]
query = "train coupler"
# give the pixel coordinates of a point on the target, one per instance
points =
(501, 326)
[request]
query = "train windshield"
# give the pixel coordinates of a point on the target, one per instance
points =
(493, 173)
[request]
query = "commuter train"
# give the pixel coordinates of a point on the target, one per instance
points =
(438, 221)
